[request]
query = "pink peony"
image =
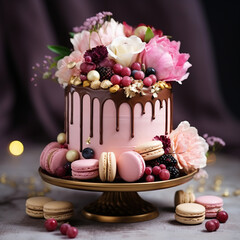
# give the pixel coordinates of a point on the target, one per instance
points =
(86, 40)
(64, 73)
(188, 147)
(163, 55)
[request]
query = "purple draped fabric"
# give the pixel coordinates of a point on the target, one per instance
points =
(35, 114)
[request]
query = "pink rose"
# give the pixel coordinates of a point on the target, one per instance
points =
(104, 36)
(188, 147)
(64, 73)
(163, 55)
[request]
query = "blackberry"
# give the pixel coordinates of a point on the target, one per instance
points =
(167, 160)
(174, 172)
(105, 72)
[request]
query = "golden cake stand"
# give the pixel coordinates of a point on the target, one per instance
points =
(119, 202)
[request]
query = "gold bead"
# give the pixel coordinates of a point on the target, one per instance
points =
(61, 138)
(77, 81)
(86, 83)
(71, 65)
(95, 84)
(114, 88)
(72, 155)
(93, 75)
(106, 84)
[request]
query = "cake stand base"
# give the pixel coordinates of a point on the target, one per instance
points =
(120, 207)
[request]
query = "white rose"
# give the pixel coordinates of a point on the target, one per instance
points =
(124, 50)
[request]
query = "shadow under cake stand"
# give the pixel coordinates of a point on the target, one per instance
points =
(119, 202)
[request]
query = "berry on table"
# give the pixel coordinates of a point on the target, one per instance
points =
(126, 71)
(50, 224)
(115, 79)
(117, 68)
(222, 216)
(147, 81)
(64, 227)
(150, 178)
(156, 170)
(150, 71)
(216, 222)
(164, 174)
(72, 232)
(148, 170)
(210, 226)
(88, 153)
(136, 66)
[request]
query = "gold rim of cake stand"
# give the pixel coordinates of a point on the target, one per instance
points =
(114, 187)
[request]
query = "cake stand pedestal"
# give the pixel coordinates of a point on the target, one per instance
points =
(119, 202)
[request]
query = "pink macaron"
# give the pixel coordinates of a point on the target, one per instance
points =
(43, 155)
(213, 204)
(85, 169)
(131, 166)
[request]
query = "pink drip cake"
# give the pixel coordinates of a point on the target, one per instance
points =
(118, 98)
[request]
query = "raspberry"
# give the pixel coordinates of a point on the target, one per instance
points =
(105, 72)
(174, 172)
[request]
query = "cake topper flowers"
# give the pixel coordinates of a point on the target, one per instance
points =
(120, 55)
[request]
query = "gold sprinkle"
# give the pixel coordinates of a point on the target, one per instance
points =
(88, 141)
(236, 192)
(114, 88)
(226, 193)
(95, 84)
(86, 83)
(77, 81)
(71, 65)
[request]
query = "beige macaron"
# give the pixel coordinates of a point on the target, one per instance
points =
(34, 206)
(190, 213)
(150, 150)
(183, 197)
(107, 167)
(59, 210)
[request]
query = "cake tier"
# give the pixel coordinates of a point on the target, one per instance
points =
(107, 121)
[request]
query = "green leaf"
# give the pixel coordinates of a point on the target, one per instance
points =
(71, 34)
(148, 35)
(58, 58)
(63, 51)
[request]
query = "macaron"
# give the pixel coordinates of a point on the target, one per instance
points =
(55, 158)
(213, 204)
(34, 206)
(190, 213)
(107, 166)
(150, 150)
(50, 146)
(85, 169)
(59, 210)
(183, 197)
(131, 166)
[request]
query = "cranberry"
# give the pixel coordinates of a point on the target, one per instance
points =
(50, 224)
(136, 66)
(156, 170)
(64, 227)
(126, 81)
(216, 222)
(222, 216)
(210, 226)
(164, 174)
(139, 75)
(116, 79)
(147, 81)
(154, 78)
(61, 171)
(148, 170)
(150, 178)
(117, 68)
(162, 166)
(72, 232)
(126, 71)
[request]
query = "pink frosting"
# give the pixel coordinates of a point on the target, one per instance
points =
(145, 128)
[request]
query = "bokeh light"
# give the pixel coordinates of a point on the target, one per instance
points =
(16, 148)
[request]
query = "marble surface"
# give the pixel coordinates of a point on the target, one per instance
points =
(21, 173)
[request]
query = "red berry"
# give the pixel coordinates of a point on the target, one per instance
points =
(61, 171)
(210, 226)
(72, 232)
(88, 59)
(150, 178)
(117, 68)
(126, 81)
(86, 67)
(136, 66)
(64, 227)
(216, 222)
(162, 166)
(126, 71)
(222, 216)
(156, 170)
(116, 79)
(50, 224)
(139, 75)
(83, 77)
(154, 78)
(164, 174)
(148, 170)
(147, 81)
